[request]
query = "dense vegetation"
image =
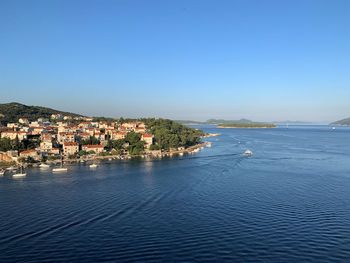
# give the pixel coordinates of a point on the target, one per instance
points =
(342, 122)
(132, 143)
(7, 144)
(92, 141)
(11, 112)
(170, 134)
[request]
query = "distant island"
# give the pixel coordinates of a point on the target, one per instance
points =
(246, 125)
(34, 134)
(342, 122)
(221, 123)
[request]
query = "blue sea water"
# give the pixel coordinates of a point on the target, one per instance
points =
(289, 202)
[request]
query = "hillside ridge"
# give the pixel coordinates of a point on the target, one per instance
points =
(11, 112)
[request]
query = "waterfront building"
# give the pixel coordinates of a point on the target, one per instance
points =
(148, 139)
(70, 148)
(96, 148)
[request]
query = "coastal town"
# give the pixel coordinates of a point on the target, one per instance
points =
(70, 139)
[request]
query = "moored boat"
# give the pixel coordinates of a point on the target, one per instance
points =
(93, 165)
(44, 166)
(60, 169)
(20, 174)
(11, 168)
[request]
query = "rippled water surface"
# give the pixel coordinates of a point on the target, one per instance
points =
(290, 202)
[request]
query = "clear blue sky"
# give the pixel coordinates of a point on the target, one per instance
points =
(263, 60)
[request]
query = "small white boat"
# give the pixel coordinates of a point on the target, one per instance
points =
(93, 165)
(44, 166)
(2, 172)
(20, 174)
(61, 169)
(248, 153)
(333, 128)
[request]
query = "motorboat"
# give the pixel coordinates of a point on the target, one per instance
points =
(2, 172)
(20, 174)
(44, 166)
(248, 153)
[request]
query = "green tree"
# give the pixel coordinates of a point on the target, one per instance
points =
(137, 148)
(116, 144)
(132, 138)
(92, 140)
(5, 144)
(154, 147)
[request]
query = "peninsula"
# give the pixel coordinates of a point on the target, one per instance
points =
(221, 123)
(32, 134)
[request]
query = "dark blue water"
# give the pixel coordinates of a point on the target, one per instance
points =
(290, 202)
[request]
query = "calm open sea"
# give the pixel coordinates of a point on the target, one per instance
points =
(290, 202)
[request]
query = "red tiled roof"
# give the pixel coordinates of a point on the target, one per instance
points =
(70, 144)
(66, 133)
